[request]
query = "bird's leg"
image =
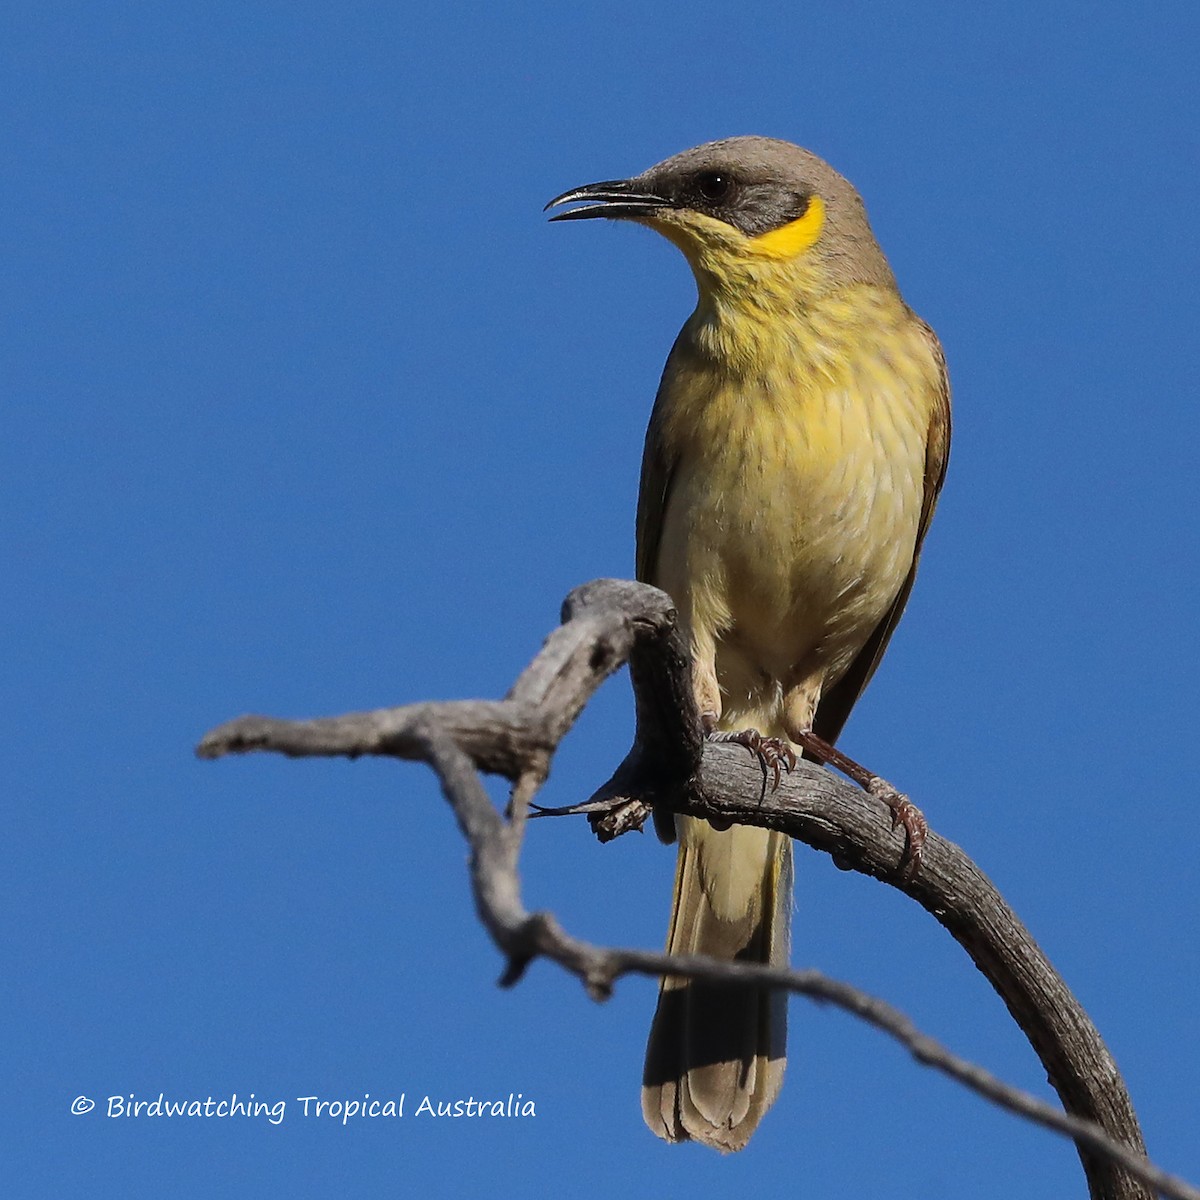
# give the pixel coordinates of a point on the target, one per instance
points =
(773, 754)
(904, 811)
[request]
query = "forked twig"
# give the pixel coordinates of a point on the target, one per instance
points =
(607, 623)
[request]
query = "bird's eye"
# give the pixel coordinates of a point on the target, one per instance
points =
(714, 186)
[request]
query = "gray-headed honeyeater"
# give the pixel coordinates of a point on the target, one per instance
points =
(794, 457)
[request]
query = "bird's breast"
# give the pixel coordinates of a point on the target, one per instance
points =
(792, 517)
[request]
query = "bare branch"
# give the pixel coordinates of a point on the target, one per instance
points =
(608, 622)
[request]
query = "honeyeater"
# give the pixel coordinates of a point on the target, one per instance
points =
(794, 457)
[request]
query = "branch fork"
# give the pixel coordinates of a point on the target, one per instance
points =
(607, 623)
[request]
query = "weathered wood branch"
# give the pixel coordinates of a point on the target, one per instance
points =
(609, 622)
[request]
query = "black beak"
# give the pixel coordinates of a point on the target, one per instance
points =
(615, 198)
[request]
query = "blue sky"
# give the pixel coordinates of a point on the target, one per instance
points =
(308, 410)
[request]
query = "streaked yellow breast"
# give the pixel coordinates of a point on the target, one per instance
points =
(793, 514)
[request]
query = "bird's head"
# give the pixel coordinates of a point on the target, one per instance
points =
(747, 211)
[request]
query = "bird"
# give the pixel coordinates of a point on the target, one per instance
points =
(794, 457)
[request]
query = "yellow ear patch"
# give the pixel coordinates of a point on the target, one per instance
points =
(793, 238)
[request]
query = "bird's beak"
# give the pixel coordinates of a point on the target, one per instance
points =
(616, 198)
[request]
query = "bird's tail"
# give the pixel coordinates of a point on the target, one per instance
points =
(715, 1060)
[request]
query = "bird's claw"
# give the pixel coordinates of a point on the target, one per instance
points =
(904, 813)
(774, 754)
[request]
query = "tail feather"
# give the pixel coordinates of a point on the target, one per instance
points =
(715, 1060)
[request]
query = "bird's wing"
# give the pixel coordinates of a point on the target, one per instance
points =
(835, 705)
(658, 470)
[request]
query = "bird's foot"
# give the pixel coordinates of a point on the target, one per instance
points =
(774, 754)
(904, 811)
